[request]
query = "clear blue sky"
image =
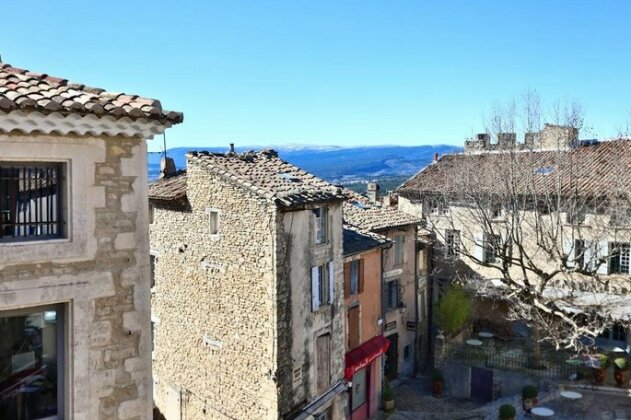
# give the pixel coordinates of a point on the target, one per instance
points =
(332, 72)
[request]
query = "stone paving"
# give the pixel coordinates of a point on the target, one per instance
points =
(413, 400)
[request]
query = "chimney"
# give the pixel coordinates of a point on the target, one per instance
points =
(435, 157)
(558, 137)
(167, 167)
(506, 140)
(481, 142)
(231, 147)
(373, 191)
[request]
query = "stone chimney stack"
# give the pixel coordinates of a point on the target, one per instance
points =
(482, 141)
(167, 167)
(373, 191)
(231, 147)
(506, 141)
(558, 137)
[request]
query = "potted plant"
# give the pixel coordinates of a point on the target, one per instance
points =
(438, 382)
(621, 370)
(507, 412)
(600, 373)
(529, 397)
(388, 398)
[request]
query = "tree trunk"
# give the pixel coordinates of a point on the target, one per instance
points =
(535, 360)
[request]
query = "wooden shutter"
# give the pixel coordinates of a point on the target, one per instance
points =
(361, 275)
(479, 246)
(353, 327)
(603, 255)
(331, 282)
(568, 249)
(347, 279)
(315, 290)
(323, 363)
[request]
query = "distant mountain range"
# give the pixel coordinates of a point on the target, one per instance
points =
(341, 165)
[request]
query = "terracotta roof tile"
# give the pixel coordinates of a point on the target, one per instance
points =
(361, 212)
(593, 170)
(30, 91)
(169, 189)
(261, 172)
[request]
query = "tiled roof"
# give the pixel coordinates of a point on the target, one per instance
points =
(169, 189)
(261, 172)
(592, 170)
(357, 240)
(23, 90)
(361, 212)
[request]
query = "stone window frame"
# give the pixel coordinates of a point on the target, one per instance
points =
(152, 213)
(63, 207)
(209, 211)
(152, 268)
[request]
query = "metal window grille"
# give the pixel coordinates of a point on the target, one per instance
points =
(31, 201)
(452, 242)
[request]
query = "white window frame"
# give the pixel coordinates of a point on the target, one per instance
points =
(322, 283)
(216, 234)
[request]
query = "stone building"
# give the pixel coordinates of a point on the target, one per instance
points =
(401, 295)
(576, 193)
(248, 295)
(365, 344)
(74, 271)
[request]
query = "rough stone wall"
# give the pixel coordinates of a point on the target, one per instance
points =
(99, 273)
(214, 303)
(299, 326)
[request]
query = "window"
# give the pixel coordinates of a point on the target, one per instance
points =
(576, 216)
(491, 248)
(621, 217)
(153, 338)
(323, 363)
(619, 258)
(399, 249)
(354, 277)
(213, 221)
(438, 208)
(31, 206)
(321, 215)
(496, 211)
(391, 298)
(152, 270)
(359, 389)
(452, 243)
(31, 363)
(152, 211)
(322, 285)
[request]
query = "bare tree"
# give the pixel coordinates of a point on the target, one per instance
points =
(542, 225)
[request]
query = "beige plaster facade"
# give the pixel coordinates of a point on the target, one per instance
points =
(97, 274)
(235, 332)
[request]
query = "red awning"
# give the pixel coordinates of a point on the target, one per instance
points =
(364, 355)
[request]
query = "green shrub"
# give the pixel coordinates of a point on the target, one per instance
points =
(507, 411)
(388, 394)
(529, 392)
(621, 363)
(453, 310)
(604, 360)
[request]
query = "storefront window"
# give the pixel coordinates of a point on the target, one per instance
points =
(31, 364)
(359, 389)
